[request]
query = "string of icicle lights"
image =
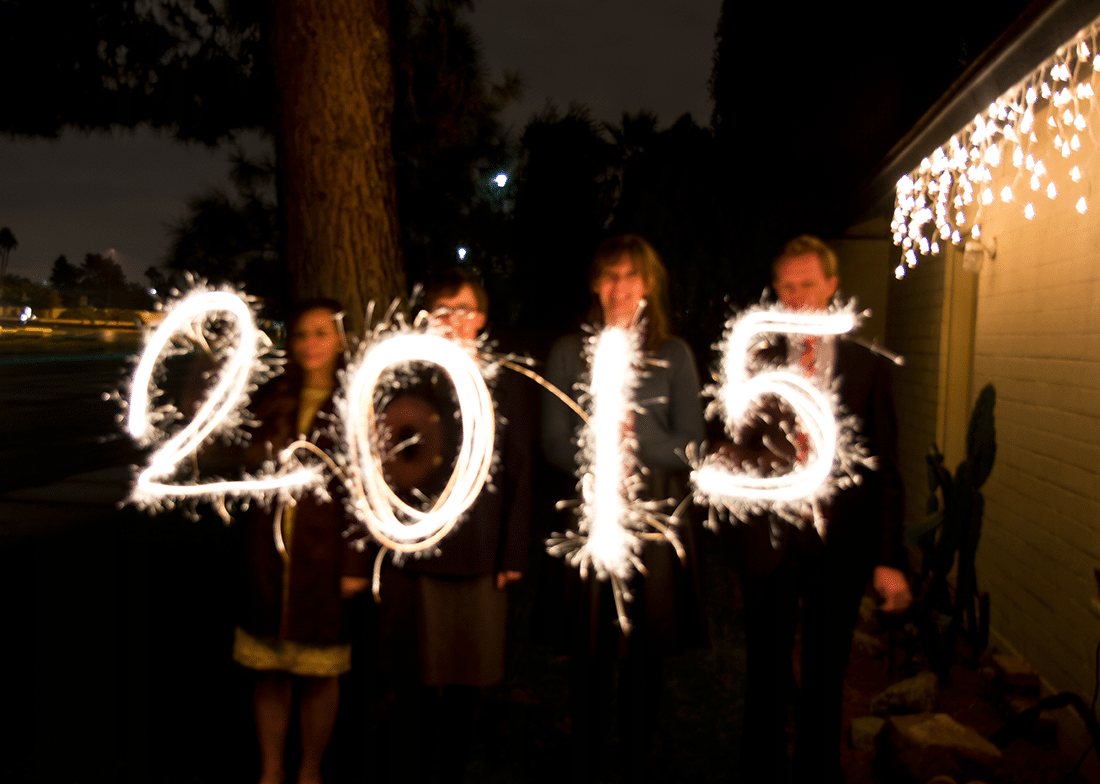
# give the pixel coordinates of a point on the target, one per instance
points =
(1004, 155)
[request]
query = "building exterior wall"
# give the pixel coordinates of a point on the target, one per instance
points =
(1037, 339)
(914, 330)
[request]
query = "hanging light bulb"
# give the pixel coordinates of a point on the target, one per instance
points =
(1075, 174)
(1029, 211)
(976, 232)
(1051, 191)
(1006, 194)
(1035, 183)
(1082, 207)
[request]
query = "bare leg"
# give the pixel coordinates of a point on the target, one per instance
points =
(320, 700)
(271, 703)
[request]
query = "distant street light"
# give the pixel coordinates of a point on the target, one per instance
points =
(461, 253)
(501, 179)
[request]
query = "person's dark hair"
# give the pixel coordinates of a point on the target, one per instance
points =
(804, 244)
(449, 283)
(649, 266)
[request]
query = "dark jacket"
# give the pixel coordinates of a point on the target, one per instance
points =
(493, 535)
(864, 521)
(319, 553)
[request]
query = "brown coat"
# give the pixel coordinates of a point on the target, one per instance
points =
(319, 553)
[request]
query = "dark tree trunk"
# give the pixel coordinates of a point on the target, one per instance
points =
(334, 82)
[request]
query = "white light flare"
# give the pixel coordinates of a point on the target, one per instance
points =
(239, 350)
(833, 450)
(391, 521)
(606, 494)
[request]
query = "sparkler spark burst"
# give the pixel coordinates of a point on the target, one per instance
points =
(613, 520)
(834, 450)
(393, 349)
(223, 324)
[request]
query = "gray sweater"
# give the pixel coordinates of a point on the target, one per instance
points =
(672, 418)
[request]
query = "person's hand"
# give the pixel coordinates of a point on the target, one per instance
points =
(350, 586)
(504, 579)
(892, 587)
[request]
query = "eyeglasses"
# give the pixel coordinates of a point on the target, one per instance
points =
(460, 312)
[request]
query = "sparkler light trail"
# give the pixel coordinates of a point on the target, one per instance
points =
(834, 451)
(613, 520)
(238, 343)
(392, 522)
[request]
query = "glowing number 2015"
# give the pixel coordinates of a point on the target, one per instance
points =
(218, 412)
(390, 520)
(738, 388)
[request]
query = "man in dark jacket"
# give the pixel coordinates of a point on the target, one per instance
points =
(826, 574)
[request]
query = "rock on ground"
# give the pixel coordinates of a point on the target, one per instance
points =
(920, 746)
(918, 694)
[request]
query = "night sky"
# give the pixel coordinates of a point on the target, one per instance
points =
(844, 88)
(88, 194)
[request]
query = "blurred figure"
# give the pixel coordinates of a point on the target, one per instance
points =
(461, 591)
(627, 281)
(292, 624)
(803, 575)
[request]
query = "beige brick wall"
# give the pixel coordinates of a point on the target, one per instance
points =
(914, 327)
(1037, 339)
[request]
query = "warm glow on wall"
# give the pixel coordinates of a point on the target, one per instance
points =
(952, 186)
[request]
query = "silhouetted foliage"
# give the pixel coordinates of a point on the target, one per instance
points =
(234, 238)
(205, 70)
(804, 112)
(97, 283)
(446, 137)
(65, 278)
(447, 142)
(197, 68)
(669, 193)
(20, 291)
(948, 540)
(564, 199)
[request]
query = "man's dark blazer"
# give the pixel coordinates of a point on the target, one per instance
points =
(865, 519)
